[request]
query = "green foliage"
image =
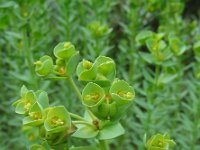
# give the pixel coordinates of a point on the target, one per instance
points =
(165, 79)
(54, 123)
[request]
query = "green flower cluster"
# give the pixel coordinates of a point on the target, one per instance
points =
(54, 123)
(97, 29)
(110, 102)
(104, 97)
(162, 46)
(160, 142)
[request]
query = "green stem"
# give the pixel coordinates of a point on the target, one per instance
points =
(75, 88)
(28, 56)
(91, 114)
(82, 122)
(103, 145)
(75, 116)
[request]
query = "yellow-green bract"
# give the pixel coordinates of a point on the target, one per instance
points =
(57, 120)
(102, 71)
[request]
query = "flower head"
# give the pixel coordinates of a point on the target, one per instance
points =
(160, 142)
(57, 120)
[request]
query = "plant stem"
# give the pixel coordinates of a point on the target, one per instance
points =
(75, 88)
(75, 116)
(103, 145)
(82, 122)
(91, 114)
(28, 56)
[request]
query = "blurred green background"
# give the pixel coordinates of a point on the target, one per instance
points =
(30, 29)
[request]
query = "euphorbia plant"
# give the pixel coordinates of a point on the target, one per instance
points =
(105, 99)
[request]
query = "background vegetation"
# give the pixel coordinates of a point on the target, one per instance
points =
(167, 91)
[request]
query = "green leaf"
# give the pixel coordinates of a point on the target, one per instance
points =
(24, 90)
(85, 132)
(111, 131)
(164, 78)
(147, 57)
(31, 122)
(37, 147)
(72, 64)
(8, 4)
(143, 36)
(43, 99)
(30, 96)
(196, 46)
(84, 148)
(20, 109)
(148, 76)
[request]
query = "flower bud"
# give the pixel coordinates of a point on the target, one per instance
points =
(92, 95)
(44, 66)
(87, 64)
(86, 71)
(64, 50)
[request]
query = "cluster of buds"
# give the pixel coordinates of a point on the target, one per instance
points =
(102, 71)
(66, 61)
